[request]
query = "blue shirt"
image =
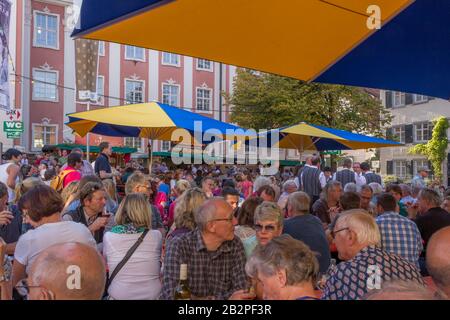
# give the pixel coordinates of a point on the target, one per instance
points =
(400, 236)
(102, 164)
(308, 229)
(353, 279)
(164, 188)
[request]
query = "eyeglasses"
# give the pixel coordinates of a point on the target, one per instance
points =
(268, 228)
(333, 233)
(23, 284)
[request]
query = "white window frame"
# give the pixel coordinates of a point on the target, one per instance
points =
(134, 57)
(402, 131)
(416, 138)
(133, 145)
(424, 163)
(178, 96)
(101, 45)
(37, 45)
(100, 95)
(422, 100)
(398, 174)
(211, 65)
(178, 64)
(210, 111)
(34, 125)
(163, 149)
(34, 98)
(125, 90)
(402, 99)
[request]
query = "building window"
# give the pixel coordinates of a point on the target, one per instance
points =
(44, 134)
(46, 30)
(422, 132)
(134, 53)
(171, 94)
(203, 99)
(165, 146)
(170, 59)
(100, 89)
(418, 98)
(203, 64)
(45, 85)
(419, 163)
(398, 99)
(399, 133)
(400, 168)
(131, 142)
(101, 48)
(134, 91)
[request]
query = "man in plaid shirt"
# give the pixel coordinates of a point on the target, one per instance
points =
(399, 235)
(215, 258)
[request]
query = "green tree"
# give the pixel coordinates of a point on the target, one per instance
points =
(435, 149)
(267, 101)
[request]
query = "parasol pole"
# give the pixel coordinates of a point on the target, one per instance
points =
(150, 149)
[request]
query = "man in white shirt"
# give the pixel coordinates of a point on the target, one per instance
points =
(359, 176)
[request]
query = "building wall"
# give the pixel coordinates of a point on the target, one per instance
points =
(411, 114)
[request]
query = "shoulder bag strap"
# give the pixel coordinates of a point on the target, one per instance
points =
(126, 258)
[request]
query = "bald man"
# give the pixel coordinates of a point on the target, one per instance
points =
(214, 256)
(68, 271)
(438, 261)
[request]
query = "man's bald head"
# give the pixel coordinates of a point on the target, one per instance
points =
(438, 259)
(210, 210)
(69, 271)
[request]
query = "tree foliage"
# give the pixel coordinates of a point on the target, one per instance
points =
(266, 101)
(435, 149)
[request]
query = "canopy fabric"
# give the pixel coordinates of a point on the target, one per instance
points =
(310, 137)
(313, 40)
(95, 149)
(148, 120)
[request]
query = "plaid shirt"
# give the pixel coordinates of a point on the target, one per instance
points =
(210, 273)
(400, 236)
(353, 279)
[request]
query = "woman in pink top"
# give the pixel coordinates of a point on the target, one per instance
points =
(180, 187)
(247, 185)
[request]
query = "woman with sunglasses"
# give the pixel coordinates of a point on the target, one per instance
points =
(268, 224)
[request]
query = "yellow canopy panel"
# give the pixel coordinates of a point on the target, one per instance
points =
(308, 36)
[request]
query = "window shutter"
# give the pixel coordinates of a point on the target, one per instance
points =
(390, 167)
(408, 98)
(411, 169)
(409, 138)
(388, 99)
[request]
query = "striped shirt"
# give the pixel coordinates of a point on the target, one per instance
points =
(345, 176)
(372, 177)
(210, 273)
(400, 236)
(310, 180)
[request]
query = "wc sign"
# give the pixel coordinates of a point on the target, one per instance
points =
(13, 127)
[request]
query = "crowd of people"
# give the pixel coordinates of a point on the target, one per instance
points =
(303, 234)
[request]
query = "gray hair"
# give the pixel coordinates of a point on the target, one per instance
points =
(328, 187)
(289, 183)
(207, 212)
(261, 181)
(351, 187)
(366, 187)
(284, 253)
(431, 196)
(400, 290)
(362, 224)
(376, 188)
(269, 211)
(299, 202)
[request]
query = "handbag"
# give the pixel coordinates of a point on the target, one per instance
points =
(124, 261)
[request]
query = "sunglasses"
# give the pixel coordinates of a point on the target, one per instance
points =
(268, 228)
